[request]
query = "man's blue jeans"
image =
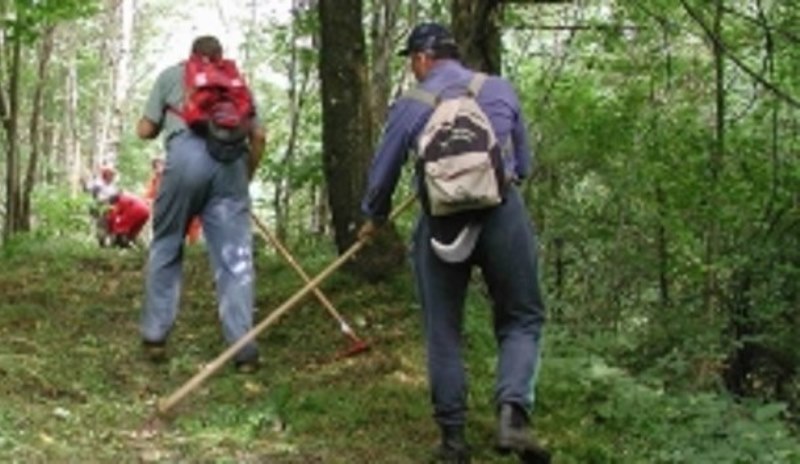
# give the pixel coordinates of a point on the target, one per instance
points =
(194, 183)
(507, 256)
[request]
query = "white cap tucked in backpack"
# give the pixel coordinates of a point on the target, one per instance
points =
(461, 247)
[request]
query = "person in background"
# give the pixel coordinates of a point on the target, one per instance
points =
(198, 180)
(126, 218)
(505, 250)
(102, 187)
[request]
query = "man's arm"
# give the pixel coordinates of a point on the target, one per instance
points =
(258, 140)
(404, 122)
(152, 120)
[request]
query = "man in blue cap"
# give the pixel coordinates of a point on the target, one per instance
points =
(500, 240)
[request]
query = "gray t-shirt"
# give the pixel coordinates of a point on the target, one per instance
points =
(167, 93)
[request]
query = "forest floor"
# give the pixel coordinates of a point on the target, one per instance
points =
(77, 388)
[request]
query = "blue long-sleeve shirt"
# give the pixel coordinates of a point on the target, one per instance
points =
(408, 116)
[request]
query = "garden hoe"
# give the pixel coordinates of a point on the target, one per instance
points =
(165, 405)
(357, 345)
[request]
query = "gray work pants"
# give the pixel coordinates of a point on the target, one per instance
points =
(195, 184)
(506, 254)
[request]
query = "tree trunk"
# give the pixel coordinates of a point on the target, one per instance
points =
(299, 77)
(385, 15)
(50, 136)
(711, 293)
(10, 120)
(123, 15)
(319, 215)
(345, 113)
(288, 153)
(72, 146)
(662, 236)
(45, 52)
(476, 27)
(103, 112)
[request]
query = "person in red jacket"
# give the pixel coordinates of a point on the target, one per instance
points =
(126, 218)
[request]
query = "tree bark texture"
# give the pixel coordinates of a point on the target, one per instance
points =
(476, 28)
(10, 124)
(345, 113)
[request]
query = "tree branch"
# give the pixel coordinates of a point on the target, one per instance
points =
(762, 22)
(695, 15)
(577, 27)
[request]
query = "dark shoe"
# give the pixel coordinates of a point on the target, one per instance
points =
(513, 435)
(445, 455)
(454, 448)
(155, 352)
(247, 366)
(121, 241)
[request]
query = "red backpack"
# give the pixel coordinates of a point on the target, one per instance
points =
(217, 100)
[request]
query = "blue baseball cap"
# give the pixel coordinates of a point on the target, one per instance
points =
(427, 36)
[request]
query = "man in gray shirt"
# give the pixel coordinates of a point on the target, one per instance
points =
(505, 250)
(194, 183)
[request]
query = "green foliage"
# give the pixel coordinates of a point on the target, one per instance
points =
(58, 216)
(628, 204)
(615, 417)
(30, 17)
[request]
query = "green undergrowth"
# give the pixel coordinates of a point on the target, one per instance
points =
(75, 387)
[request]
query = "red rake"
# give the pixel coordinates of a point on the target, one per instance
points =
(357, 345)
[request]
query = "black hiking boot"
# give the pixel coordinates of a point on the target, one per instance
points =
(155, 352)
(454, 448)
(513, 435)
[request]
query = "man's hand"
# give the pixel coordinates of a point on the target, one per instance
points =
(147, 129)
(367, 230)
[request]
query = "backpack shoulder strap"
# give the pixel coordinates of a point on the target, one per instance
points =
(476, 83)
(416, 93)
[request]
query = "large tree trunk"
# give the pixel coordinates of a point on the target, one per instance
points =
(476, 26)
(45, 51)
(345, 113)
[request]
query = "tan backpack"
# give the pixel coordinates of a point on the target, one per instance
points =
(459, 159)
